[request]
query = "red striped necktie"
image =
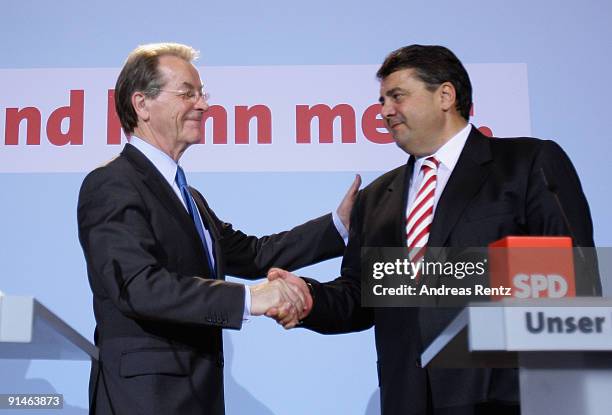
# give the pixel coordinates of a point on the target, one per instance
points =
(420, 216)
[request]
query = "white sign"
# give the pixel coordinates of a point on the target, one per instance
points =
(262, 118)
(558, 328)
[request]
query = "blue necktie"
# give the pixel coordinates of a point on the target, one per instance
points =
(181, 181)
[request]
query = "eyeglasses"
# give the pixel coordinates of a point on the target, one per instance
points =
(190, 95)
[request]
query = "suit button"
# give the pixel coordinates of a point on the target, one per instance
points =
(417, 363)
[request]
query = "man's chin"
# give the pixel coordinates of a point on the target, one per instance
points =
(403, 143)
(193, 137)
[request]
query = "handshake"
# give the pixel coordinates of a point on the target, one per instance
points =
(283, 297)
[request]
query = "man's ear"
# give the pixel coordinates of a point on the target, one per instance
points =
(448, 96)
(140, 104)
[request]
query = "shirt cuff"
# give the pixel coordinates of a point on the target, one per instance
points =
(247, 303)
(340, 227)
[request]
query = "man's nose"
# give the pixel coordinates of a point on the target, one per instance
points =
(202, 103)
(387, 109)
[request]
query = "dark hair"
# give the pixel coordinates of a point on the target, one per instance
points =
(433, 65)
(140, 74)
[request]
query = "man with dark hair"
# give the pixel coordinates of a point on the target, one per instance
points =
(458, 189)
(433, 65)
(157, 255)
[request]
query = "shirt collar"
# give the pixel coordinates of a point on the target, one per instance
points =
(449, 153)
(162, 162)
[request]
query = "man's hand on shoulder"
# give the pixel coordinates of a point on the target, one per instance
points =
(346, 205)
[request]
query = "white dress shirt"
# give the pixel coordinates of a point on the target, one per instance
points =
(447, 155)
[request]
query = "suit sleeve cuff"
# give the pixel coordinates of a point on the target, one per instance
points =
(342, 231)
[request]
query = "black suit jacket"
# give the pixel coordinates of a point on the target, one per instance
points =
(495, 190)
(159, 309)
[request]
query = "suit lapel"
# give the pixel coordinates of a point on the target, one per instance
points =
(469, 174)
(397, 195)
(159, 187)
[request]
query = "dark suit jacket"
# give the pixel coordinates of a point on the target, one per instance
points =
(158, 308)
(495, 190)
